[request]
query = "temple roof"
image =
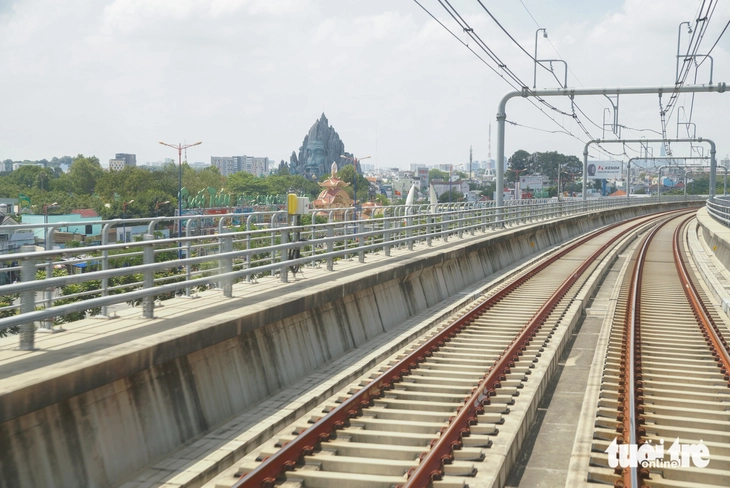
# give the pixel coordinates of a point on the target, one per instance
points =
(333, 182)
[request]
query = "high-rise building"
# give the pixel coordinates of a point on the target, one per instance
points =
(226, 165)
(255, 166)
(415, 166)
(117, 164)
(129, 159)
(233, 164)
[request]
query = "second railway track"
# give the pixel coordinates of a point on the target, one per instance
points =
(665, 380)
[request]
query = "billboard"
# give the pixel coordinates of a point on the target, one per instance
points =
(532, 182)
(605, 170)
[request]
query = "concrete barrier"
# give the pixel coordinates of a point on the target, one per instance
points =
(98, 422)
(716, 235)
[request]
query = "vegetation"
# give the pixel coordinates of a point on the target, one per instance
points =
(88, 185)
(546, 164)
(451, 196)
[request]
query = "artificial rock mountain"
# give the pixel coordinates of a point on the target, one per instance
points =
(321, 147)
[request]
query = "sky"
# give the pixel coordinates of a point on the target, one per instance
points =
(249, 77)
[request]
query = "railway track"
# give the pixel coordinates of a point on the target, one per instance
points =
(665, 380)
(433, 414)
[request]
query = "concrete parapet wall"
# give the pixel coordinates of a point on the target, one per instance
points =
(100, 422)
(716, 235)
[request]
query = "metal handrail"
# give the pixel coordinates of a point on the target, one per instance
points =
(230, 255)
(719, 209)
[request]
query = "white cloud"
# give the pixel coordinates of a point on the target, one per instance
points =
(250, 76)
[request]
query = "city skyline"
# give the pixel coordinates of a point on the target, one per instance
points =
(96, 77)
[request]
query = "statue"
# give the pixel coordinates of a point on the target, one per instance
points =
(321, 144)
(316, 159)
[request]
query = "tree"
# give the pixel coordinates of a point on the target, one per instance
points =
(84, 174)
(281, 184)
(451, 196)
(245, 183)
(488, 190)
(437, 174)
(520, 161)
(347, 174)
(381, 199)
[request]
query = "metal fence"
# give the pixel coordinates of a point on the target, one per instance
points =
(719, 209)
(54, 286)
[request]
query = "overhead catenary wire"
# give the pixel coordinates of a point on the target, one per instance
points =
(465, 44)
(470, 31)
(573, 105)
(702, 21)
(515, 80)
(511, 78)
(714, 45)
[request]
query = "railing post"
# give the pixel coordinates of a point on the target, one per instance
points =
(148, 256)
(248, 247)
(409, 232)
(429, 239)
(361, 241)
(27, 300)
(47, 324)
(188, 251)
(105, 266)
(283, 272)
(272, 227)
(330, 246)
(226, 265)
(386, 236)
(445, 218)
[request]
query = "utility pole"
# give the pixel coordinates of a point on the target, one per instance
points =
(470, 155)
(179, 149)
(572, 92)
(489, 147)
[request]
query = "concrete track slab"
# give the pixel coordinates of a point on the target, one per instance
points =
(546, 453)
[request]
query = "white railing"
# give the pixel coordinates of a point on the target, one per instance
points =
(220, 250)
(719, 209)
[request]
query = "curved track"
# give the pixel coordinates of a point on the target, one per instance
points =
(665, 377)
(431, 416)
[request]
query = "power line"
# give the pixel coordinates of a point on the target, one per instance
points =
(465, 27)
(465, 45)
(715, 44)
(530, 14)
(573, 115)
(506, 32)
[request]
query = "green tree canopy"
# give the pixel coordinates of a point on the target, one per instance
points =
(85, 173)
(451, 196)
(347, 174)
(437, 174)
(519, 162)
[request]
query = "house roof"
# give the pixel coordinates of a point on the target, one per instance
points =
(85, 212)
(618, 193)
(5, 220)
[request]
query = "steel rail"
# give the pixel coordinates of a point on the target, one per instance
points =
(431, 467)
(628, 371)
(715, 340)
(266, 473)
(630, 399)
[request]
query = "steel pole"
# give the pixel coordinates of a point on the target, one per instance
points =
(179, 192)
(663, 158)
(643, 140)
(525, 92)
